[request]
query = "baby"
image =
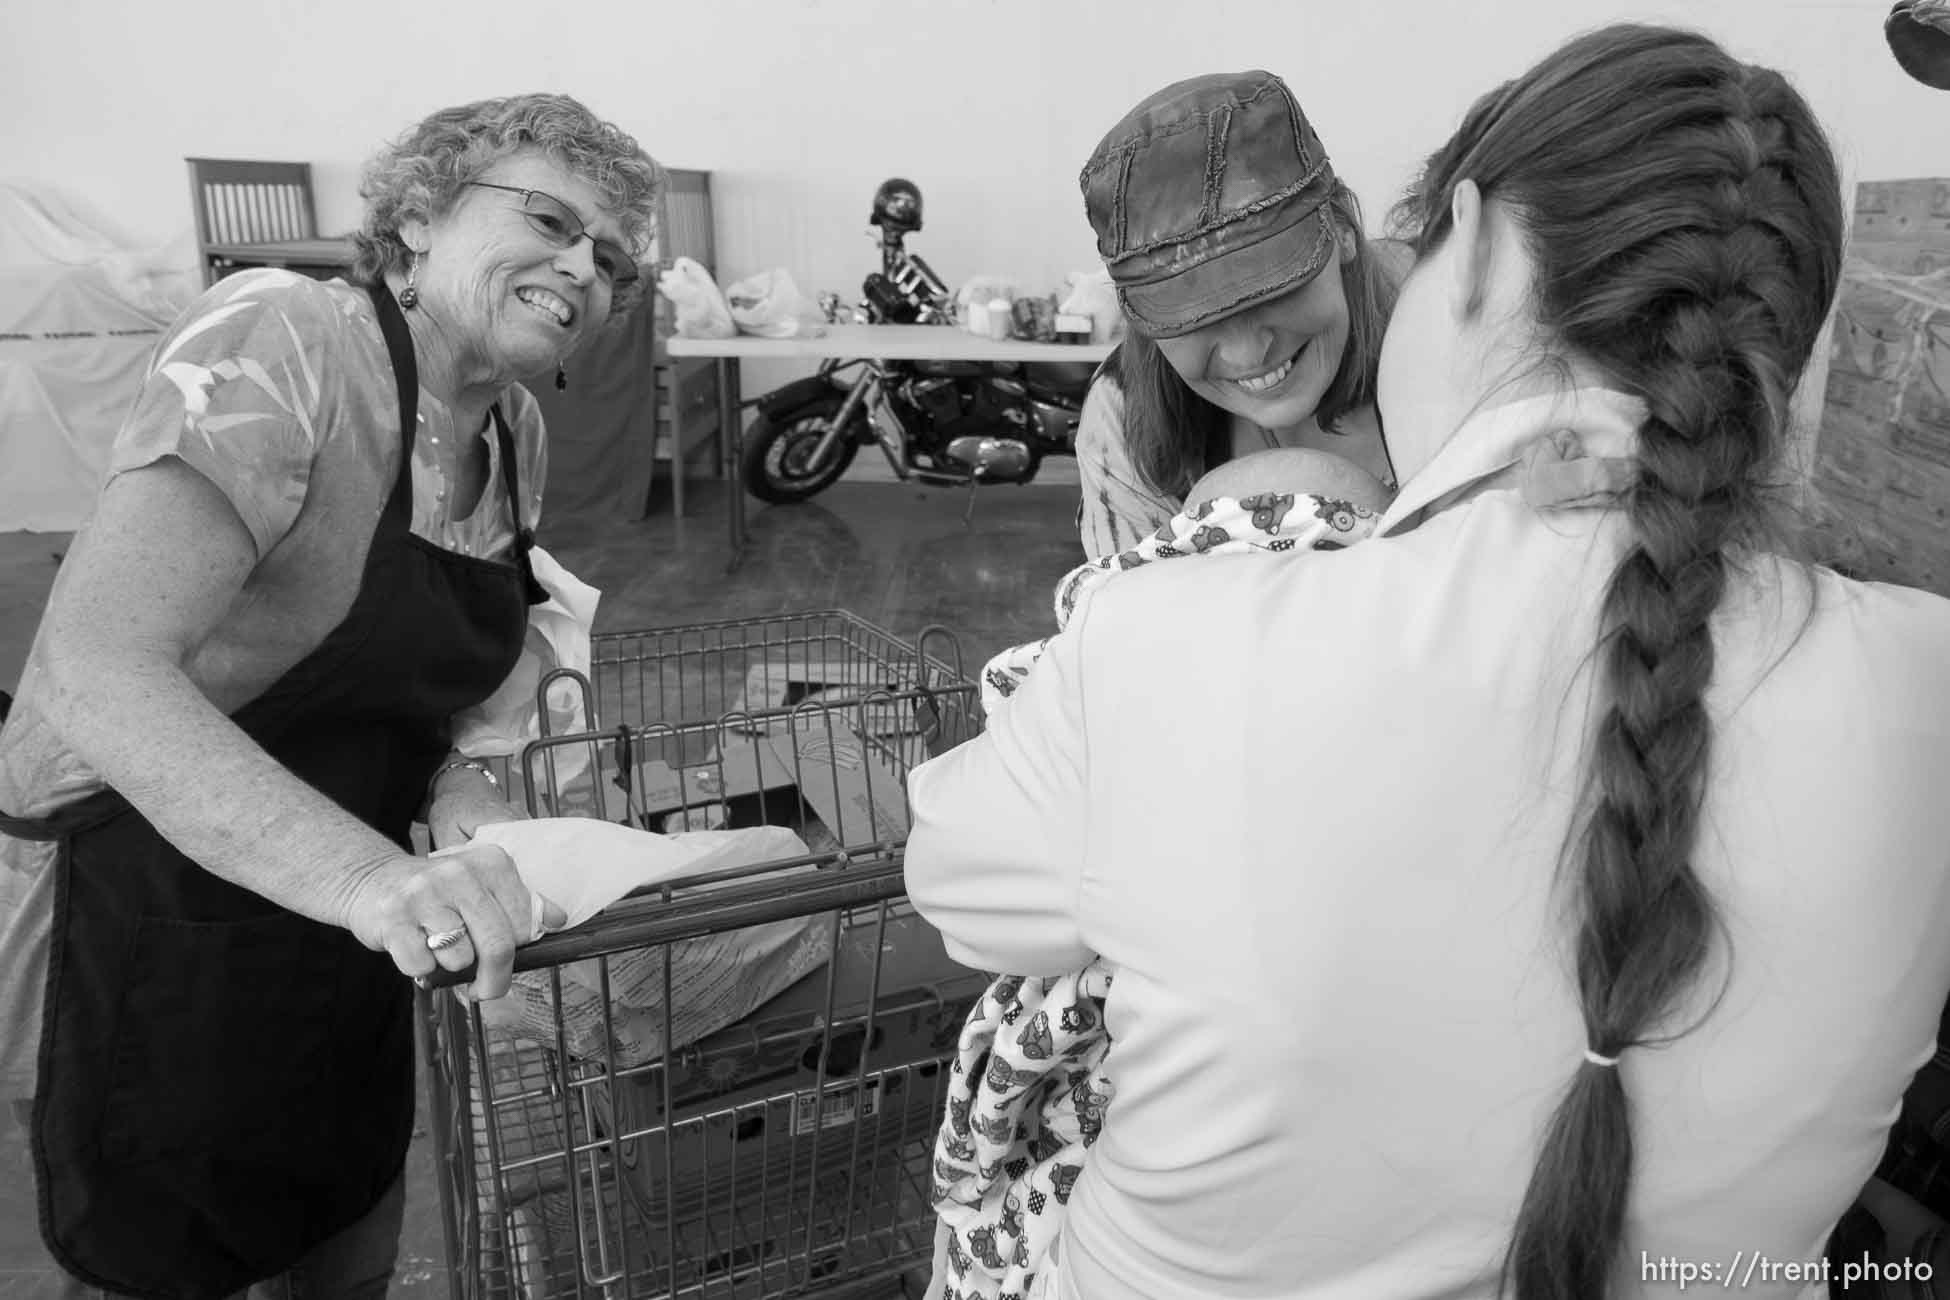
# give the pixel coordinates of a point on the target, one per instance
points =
(1026, 1104)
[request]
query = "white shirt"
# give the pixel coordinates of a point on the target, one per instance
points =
(1312, 809)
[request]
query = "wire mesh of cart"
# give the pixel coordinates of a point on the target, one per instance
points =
(729, 1085)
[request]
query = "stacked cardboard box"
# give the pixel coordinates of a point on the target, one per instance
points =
(1881, 473)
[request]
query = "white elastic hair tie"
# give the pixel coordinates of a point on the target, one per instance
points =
(1602, 1061)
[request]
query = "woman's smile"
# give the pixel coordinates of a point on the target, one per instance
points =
(1267, 381)
(547, 304)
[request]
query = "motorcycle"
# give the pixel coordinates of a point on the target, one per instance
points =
(942, 422)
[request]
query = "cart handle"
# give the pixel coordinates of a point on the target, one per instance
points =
(650, 919)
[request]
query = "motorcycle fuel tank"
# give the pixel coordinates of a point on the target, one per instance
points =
(1057, 423)
(992, 458)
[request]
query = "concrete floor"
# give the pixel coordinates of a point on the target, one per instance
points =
(894, 554)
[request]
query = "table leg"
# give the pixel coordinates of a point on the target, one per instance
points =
(731, 443)
(676, 451)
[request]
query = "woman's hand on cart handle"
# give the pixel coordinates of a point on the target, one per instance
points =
(547, 919)
(466, 908)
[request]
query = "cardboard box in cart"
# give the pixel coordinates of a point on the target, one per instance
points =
(790, 1133)
(835, 730)
(762, 1078)
(833, 683)
(789, 1151)
(844, 781)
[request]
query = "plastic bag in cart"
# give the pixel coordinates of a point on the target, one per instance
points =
(558, 637)
(716, 979)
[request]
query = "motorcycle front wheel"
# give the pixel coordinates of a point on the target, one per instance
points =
(778, 449)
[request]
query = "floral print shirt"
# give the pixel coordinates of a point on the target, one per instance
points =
(279, 391)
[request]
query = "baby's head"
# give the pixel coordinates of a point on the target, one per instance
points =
(1299, 470)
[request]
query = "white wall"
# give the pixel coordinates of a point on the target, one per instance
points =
(802, 106)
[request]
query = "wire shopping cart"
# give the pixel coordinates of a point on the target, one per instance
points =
(728, 1086)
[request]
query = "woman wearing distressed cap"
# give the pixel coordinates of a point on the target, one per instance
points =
(1255, 305)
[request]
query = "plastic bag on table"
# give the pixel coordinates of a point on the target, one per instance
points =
(1089, 293)
(701, 310)
(983, 289)
(770, 306)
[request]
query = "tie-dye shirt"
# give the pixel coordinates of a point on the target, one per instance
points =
(278, 390)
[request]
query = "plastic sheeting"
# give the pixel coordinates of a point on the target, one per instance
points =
(81, 307)
(602, 428)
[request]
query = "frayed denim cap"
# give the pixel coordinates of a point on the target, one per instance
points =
(1208, 197)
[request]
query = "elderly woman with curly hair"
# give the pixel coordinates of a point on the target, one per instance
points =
(311, 551)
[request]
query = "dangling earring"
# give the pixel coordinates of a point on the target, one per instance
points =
(409, 297)
(561, 377)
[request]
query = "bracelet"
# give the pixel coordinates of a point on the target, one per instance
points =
(464, 764)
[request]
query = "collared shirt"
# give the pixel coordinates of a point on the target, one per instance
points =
(278, 390)
(1313, 809)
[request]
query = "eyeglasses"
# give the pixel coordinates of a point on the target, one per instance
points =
(556, 222)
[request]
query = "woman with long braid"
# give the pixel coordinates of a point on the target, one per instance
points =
(1548, 897)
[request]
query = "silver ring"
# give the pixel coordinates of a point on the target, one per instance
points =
(446, 938)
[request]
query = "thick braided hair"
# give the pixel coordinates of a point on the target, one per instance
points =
(1684, 214)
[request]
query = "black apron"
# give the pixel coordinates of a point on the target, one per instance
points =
(223, 1084)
